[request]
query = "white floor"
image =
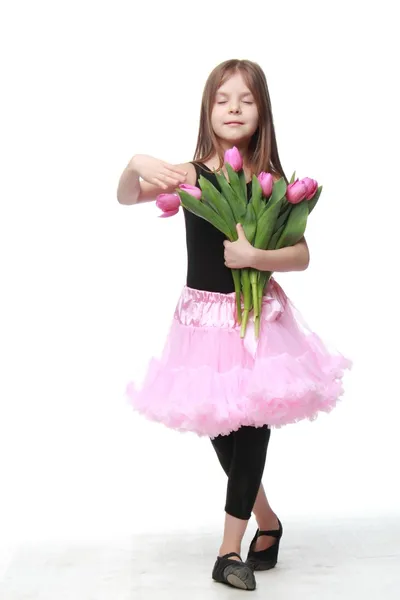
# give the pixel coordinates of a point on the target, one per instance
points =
(346, 559)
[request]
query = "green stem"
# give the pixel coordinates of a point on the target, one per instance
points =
(256, 326)
(263, 279)
(247, 300)
(254, 289)
(237, 283)
(261, 284)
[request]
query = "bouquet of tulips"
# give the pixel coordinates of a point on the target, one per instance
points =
(274, 217)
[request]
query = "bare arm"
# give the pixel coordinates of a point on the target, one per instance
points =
(129, 186)
(145, 177)
(292, 258)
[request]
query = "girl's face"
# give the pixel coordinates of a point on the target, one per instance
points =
(234, 116)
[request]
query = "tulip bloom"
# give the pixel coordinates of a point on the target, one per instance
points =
(234, 158)
(296, 192)
(169, 204)
(267, 183)
(311, 187)
(191, 189)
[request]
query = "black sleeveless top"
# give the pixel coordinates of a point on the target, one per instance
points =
(205, 250)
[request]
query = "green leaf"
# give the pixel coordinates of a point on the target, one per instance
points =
(295, 226)
(243, 184)
(283, 215)
(232, 199)
(250, 223)
(313, 201)
(233, 178)
(278, 191)
(266, 225)
(293, 177)
(218, 203)
(275, 238)
(235, 184)
(256, 195)
(200, 209)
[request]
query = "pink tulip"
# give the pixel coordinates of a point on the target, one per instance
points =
(296, 192)
(169, 204)
(169, 213)
(267, 183)
(192, 190)
(234, 158)
(311, 187)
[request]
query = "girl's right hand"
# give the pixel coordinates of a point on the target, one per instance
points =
(157, 172)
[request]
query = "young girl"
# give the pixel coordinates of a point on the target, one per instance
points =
(209, 380)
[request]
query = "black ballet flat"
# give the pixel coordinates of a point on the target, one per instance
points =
(234, 573)
(262, 560)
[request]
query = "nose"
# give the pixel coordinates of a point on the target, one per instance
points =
(234, 107)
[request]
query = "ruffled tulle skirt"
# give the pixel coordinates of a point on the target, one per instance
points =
(210, 381)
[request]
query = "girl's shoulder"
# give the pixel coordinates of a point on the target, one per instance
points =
(200, 167)
(191, 170)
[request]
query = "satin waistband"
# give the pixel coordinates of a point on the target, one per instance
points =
(201, 308)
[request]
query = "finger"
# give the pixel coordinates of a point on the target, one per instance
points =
(241, 233)
(169, 180)
(159, 183)
(176, 171)
(173, 169)
(176, 179)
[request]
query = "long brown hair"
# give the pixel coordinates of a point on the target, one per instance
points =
(263, 149)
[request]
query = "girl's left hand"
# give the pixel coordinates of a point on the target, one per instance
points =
(239, 254)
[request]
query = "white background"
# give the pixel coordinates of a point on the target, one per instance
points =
(88, 286)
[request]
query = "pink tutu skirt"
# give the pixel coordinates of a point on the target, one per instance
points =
(210, 381)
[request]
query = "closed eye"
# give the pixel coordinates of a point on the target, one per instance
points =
(244, 102)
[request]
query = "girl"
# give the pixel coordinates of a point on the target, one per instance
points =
(209, 380)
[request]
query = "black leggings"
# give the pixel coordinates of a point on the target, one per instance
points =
(242, 455)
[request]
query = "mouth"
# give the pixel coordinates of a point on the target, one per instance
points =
(234, 123)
